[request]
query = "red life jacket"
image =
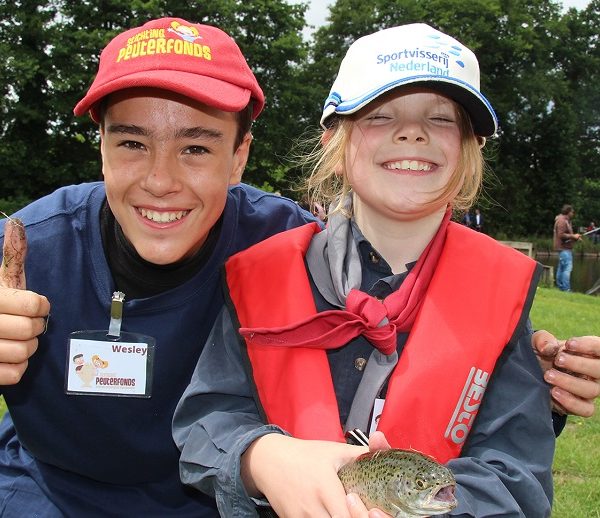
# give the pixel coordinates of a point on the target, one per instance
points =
(480, 294)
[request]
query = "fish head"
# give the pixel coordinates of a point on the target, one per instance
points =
(425, 491)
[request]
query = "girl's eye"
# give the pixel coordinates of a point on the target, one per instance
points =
(443, 118)
(376, 118)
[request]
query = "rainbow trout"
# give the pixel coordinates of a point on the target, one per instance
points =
(403, 483)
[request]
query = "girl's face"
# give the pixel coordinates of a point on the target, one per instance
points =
(403, 150)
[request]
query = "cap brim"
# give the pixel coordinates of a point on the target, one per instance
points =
(483, 117)
(208, 90)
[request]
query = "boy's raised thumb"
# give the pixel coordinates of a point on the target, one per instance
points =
(12, 269)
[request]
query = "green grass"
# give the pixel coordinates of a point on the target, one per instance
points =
(577, 458)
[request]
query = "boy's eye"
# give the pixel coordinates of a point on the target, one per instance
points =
(132, 144)
(196, 150)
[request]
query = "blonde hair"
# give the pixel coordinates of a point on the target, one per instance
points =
(327, 182)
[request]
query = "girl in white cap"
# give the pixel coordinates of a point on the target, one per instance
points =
(393, 320)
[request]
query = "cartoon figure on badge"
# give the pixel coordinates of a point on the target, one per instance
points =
(98, 363)
(78, 361)
(86, 372)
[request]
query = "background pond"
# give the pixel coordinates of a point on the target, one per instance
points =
(586, 270)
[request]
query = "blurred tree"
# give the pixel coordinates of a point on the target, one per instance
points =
(539, 70)
(49, 53)
(26, 67)
(580, 60)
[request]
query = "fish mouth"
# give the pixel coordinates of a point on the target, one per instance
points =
(439, 502)
(434, 503)
(445, 495)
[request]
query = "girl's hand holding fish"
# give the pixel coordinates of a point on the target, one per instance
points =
(299, 477)
(358, 510)
(22, 313)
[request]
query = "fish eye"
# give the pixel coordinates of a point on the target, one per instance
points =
(421, 484)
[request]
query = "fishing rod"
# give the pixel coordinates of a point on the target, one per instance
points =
(591, 231)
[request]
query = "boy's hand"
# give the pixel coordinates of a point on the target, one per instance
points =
(573, 368)
(22, 313)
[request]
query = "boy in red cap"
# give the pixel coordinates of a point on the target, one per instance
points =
(175, 101)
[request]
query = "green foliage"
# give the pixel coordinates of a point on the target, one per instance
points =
(540, 69)
(546, 244)
(10, 205)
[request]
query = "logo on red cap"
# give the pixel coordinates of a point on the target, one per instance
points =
(149, 42)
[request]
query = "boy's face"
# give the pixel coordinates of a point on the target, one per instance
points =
(167, 164)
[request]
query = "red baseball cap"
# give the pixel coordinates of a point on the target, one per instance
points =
(199, 61)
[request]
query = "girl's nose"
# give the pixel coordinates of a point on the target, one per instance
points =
(410, 131)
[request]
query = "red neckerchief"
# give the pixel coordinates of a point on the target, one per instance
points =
(379, 321)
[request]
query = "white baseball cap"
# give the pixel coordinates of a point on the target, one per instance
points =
(410, 54)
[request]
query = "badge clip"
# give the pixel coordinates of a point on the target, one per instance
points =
(116, 314)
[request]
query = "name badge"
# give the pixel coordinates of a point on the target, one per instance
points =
(103, 365)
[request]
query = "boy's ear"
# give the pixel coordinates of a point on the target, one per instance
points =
(240, 159)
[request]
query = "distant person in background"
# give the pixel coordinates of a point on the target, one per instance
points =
(319, 211)
(467, 219)
(478, 221)
(595, 232)
(564, 239)
(316, 209)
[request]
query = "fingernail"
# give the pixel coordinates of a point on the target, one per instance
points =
(352, 499)
(550, 375)
(572, 344)
(560, 359)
